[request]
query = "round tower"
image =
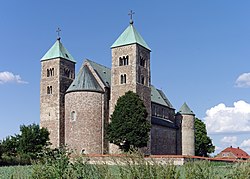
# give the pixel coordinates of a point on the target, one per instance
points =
(187, 130)
(84, 114)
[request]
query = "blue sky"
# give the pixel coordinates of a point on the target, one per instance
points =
(200, 55)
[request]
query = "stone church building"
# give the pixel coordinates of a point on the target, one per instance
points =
(76, 108)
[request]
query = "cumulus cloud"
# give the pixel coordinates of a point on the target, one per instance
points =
(246, 145)
(7, 77)
(223, 119)
(218, 148)
(231, 140)
(243, 81)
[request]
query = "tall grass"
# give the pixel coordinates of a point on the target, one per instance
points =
(57, 164)
(16, 172)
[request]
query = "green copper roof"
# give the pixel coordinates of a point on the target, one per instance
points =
(103, 72)
(186, 110)
(85, 81)
(165, 98)
(157, 96)
(58, 51)
(130, 36)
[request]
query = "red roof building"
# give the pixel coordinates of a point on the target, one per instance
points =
(233, 153)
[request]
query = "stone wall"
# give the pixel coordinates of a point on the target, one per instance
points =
(52, 105)
(85, 132)
(133, 71)
(163, 140)
(188, 139)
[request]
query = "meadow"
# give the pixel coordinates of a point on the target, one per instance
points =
(133, 167)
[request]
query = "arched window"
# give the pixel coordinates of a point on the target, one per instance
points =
(49, 89)
(123, 79)
(142, 62)
(123, 61)
(52, 72)
(67, 72)
(142, 79)
(73, 116)
(120, 61)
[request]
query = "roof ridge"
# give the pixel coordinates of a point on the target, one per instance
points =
(84, 81)
(97, 63)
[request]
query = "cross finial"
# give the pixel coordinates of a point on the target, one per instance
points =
(58, 33)
(131, 16)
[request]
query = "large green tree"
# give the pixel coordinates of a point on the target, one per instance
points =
(128, 127)
(203, 143)
(30, 141)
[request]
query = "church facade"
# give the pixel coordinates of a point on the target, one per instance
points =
(76, 108)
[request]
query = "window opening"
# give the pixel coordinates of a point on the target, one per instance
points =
(142, 61)
(123, 61)
(123, 79)
(49, 89)
(73, 115)
(142, 79)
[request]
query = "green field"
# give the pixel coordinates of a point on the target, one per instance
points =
(199, 170)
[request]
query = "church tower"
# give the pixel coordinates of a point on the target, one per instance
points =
(130, 68)
(57, 73)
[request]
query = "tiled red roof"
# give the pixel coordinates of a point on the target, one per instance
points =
(239, 153)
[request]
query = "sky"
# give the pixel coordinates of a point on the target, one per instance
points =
(200, 55)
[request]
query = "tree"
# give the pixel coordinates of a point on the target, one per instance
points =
(203, 143)
(9, 146)
(128, 127)
(1, 150)
(30, 141)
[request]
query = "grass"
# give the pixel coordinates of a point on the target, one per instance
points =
(58, 165)
(16, 172)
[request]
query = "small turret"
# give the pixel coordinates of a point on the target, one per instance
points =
(187, 129)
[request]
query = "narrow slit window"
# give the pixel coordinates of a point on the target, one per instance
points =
(73, 115)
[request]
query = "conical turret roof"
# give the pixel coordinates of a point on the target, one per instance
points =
(58, 51)
(186, 110)
(85, 81)
(130, 36)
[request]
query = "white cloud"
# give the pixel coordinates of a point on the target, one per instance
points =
(218, 148)
(6, 77)
(246, 145)
(229, 140)
(243, 81)
(225, 119)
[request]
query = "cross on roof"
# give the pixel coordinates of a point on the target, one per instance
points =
(58, 33)
(131, 16)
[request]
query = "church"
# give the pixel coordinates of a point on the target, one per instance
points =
(76, 108)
